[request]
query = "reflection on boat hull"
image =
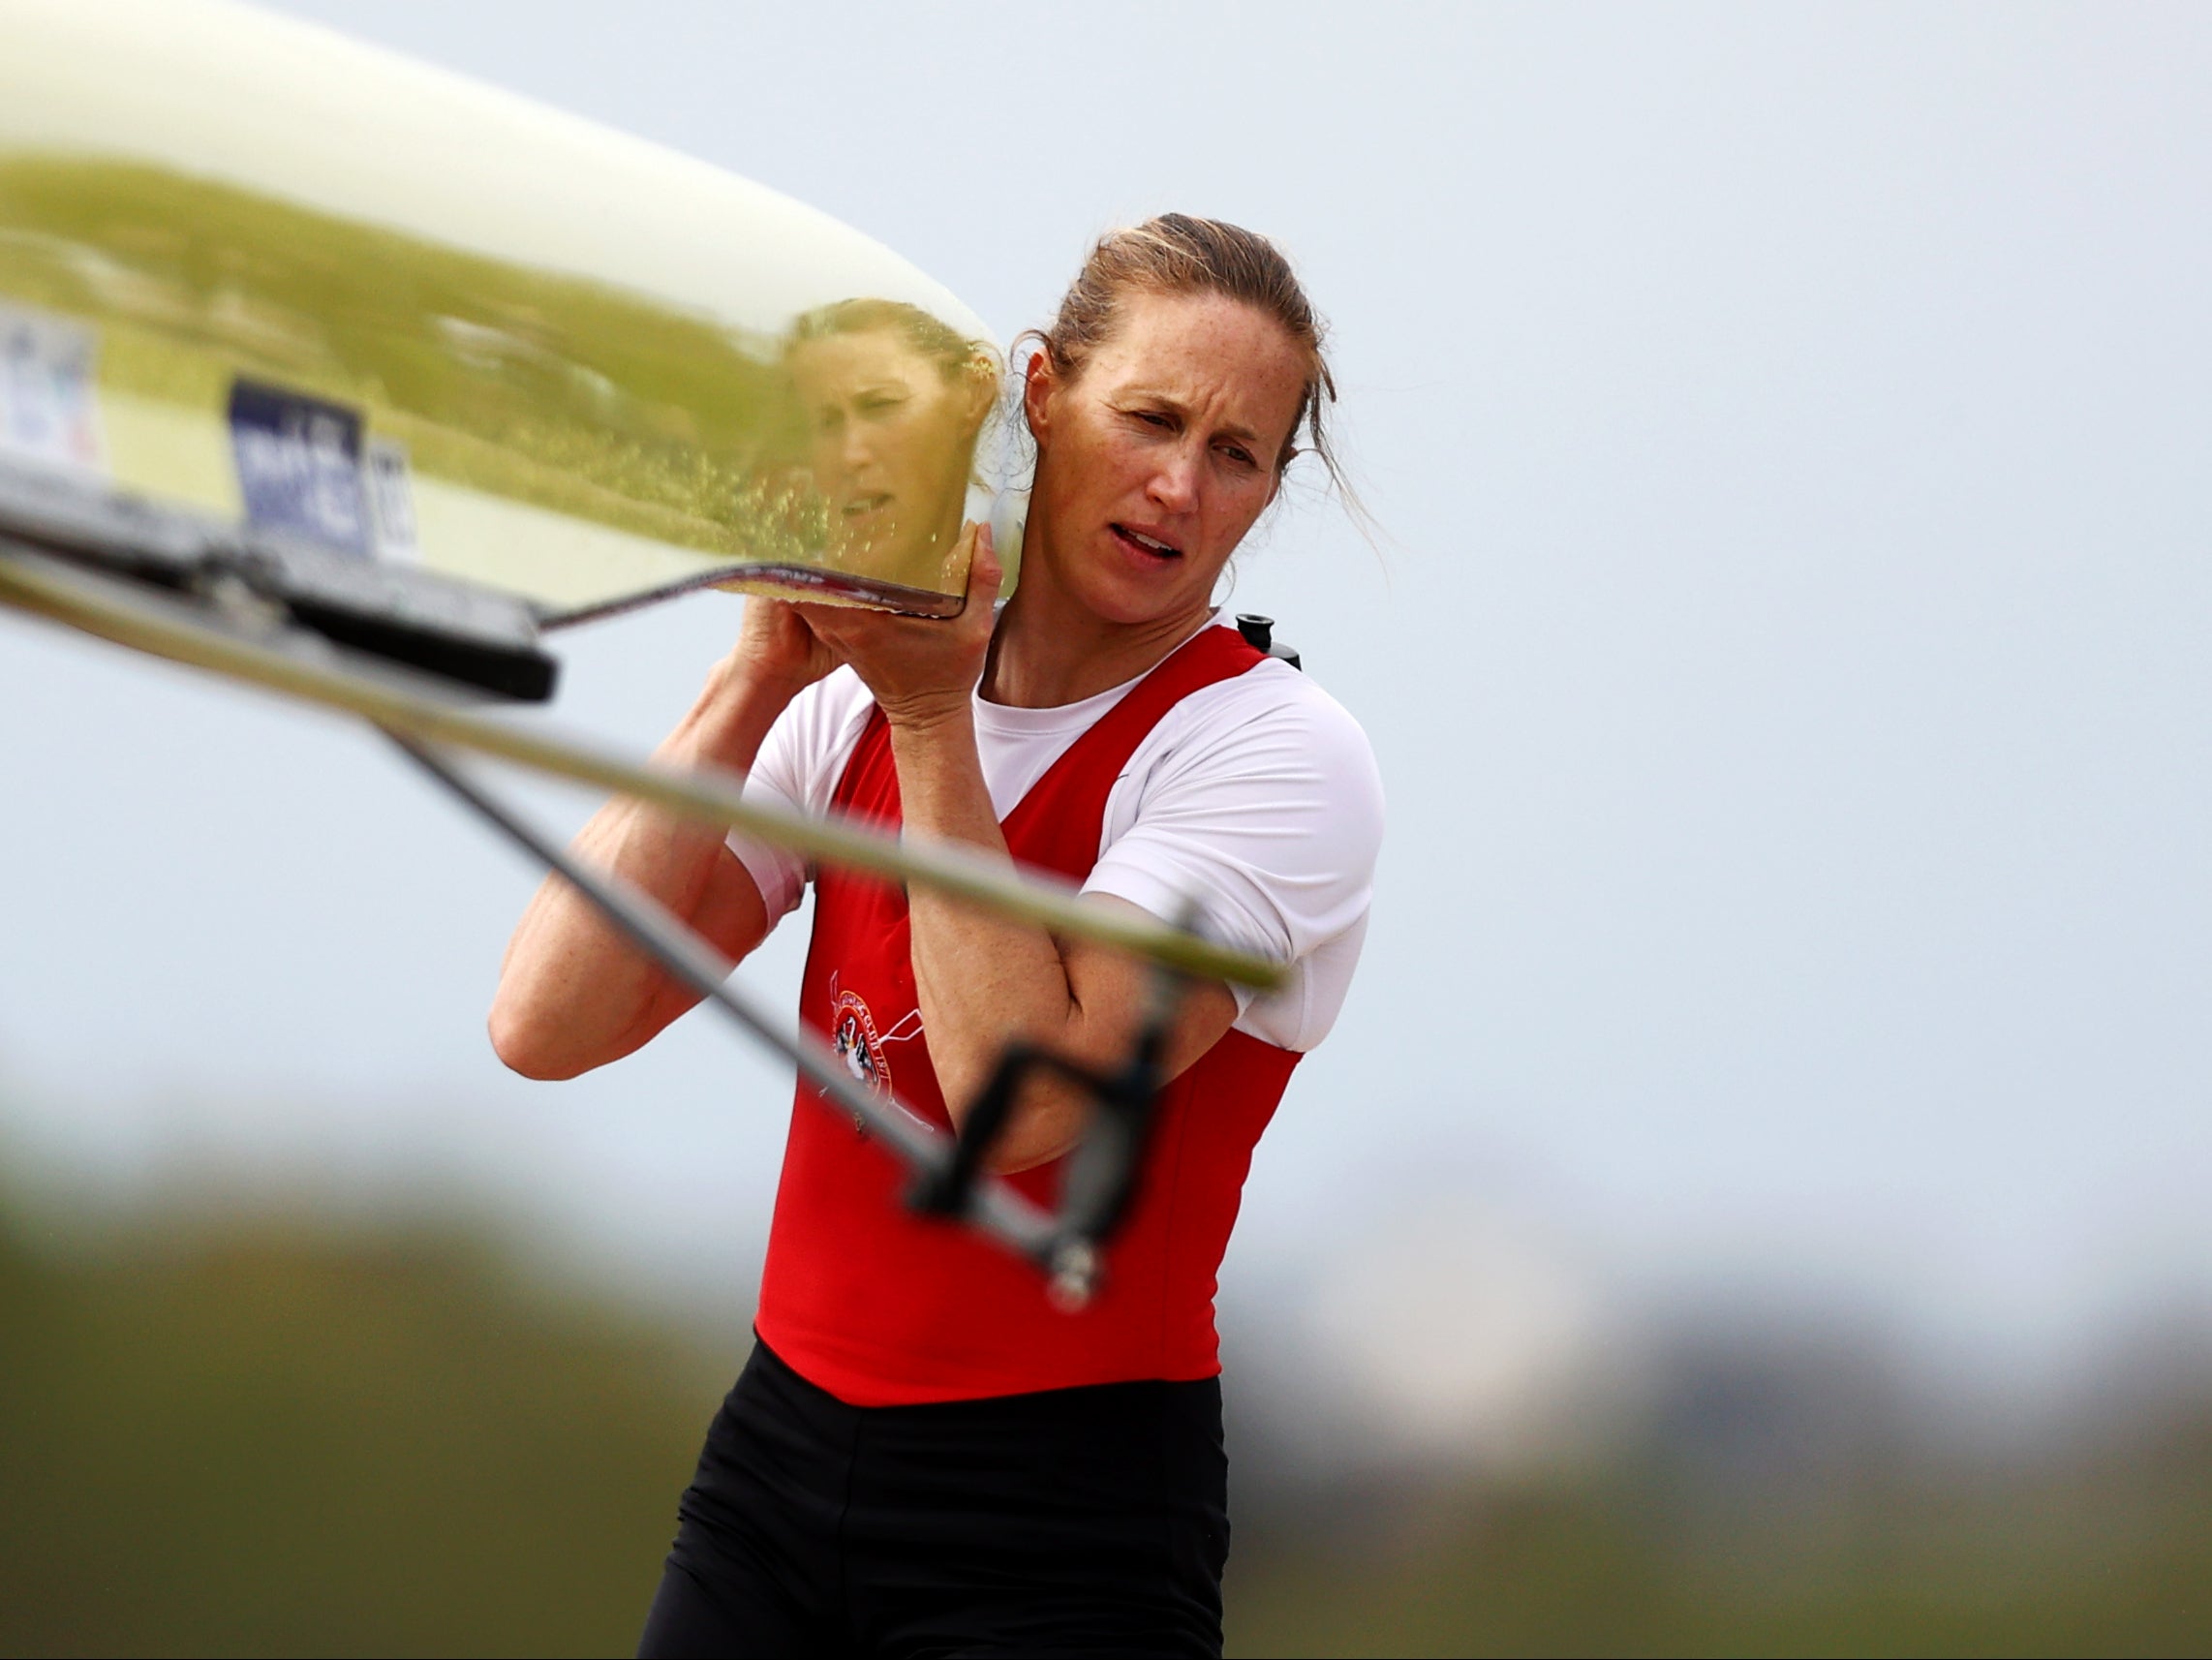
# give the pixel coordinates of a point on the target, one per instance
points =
(251, 270)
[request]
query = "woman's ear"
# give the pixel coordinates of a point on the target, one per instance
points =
(1037, 386)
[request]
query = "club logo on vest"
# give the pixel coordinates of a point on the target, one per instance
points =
(853, 1035)
(858, 1043)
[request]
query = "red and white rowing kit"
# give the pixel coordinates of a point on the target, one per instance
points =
(884, 1307)
(923, 1455)
(880, 1307)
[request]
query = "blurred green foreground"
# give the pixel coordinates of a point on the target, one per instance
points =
(271, 1436)
(273, 1439)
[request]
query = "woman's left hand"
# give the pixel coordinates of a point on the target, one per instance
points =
(923, 670)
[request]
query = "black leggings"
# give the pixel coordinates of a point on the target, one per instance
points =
(1074, 1521)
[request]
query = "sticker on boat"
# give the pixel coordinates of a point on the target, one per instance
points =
(50, 399)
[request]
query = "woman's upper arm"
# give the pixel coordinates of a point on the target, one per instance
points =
(1111, 991)
(1265, 816)
(752, 885)
(798, 767)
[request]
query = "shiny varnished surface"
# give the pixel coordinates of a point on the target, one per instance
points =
(533, 354)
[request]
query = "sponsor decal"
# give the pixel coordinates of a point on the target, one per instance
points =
(391, 502)
(299, 466)
(50, 396)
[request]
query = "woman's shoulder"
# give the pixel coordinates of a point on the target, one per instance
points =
(1257, 797)
(1270, 708)
(812, 740)
(1265, 747)
(1294, 695)
(830, 711)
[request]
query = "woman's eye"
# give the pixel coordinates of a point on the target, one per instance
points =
(1154, 417)
(1239, 454)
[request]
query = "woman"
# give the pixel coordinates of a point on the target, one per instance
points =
(922, 1454)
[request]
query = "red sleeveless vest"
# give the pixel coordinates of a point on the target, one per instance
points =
(880, 1307)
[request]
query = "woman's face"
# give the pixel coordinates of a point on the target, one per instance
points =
(1157, 457)
(891, 443)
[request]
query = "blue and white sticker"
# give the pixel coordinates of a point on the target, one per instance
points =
(299, 466)
(50, 391)
(391, 502)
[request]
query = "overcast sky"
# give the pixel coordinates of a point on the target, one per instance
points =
(1792, 430)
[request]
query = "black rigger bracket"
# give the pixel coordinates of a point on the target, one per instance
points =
(1101, 1175)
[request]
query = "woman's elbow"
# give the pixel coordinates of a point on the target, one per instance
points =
(1037, 1132)
(526, 1046)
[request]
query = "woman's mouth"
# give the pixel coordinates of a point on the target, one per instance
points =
(1145, 546)
(860, 506)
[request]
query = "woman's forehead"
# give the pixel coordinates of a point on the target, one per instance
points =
(1207, 347)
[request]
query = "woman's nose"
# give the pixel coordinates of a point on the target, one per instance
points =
(1174, 482)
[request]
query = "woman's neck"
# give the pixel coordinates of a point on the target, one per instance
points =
(1051, 650)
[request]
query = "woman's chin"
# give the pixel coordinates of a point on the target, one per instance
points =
(1135, 600)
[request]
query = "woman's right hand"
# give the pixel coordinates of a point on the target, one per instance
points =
(776, 646)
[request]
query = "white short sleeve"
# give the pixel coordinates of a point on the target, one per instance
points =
(1257, 801)
(798, 767)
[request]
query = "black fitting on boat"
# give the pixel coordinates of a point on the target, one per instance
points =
(1259, 635)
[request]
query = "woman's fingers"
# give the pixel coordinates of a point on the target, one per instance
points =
(776, 641)
(919, 666)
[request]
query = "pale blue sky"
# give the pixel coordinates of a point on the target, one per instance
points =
(1789, 665)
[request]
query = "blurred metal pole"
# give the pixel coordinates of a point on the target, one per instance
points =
(994, 1206)
(266, 652)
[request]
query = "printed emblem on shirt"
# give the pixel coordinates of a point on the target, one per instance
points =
(859, 1044)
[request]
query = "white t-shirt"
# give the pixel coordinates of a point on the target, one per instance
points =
(1257, 797)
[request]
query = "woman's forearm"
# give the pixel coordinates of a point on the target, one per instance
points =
(986, 981)
(574, 994)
